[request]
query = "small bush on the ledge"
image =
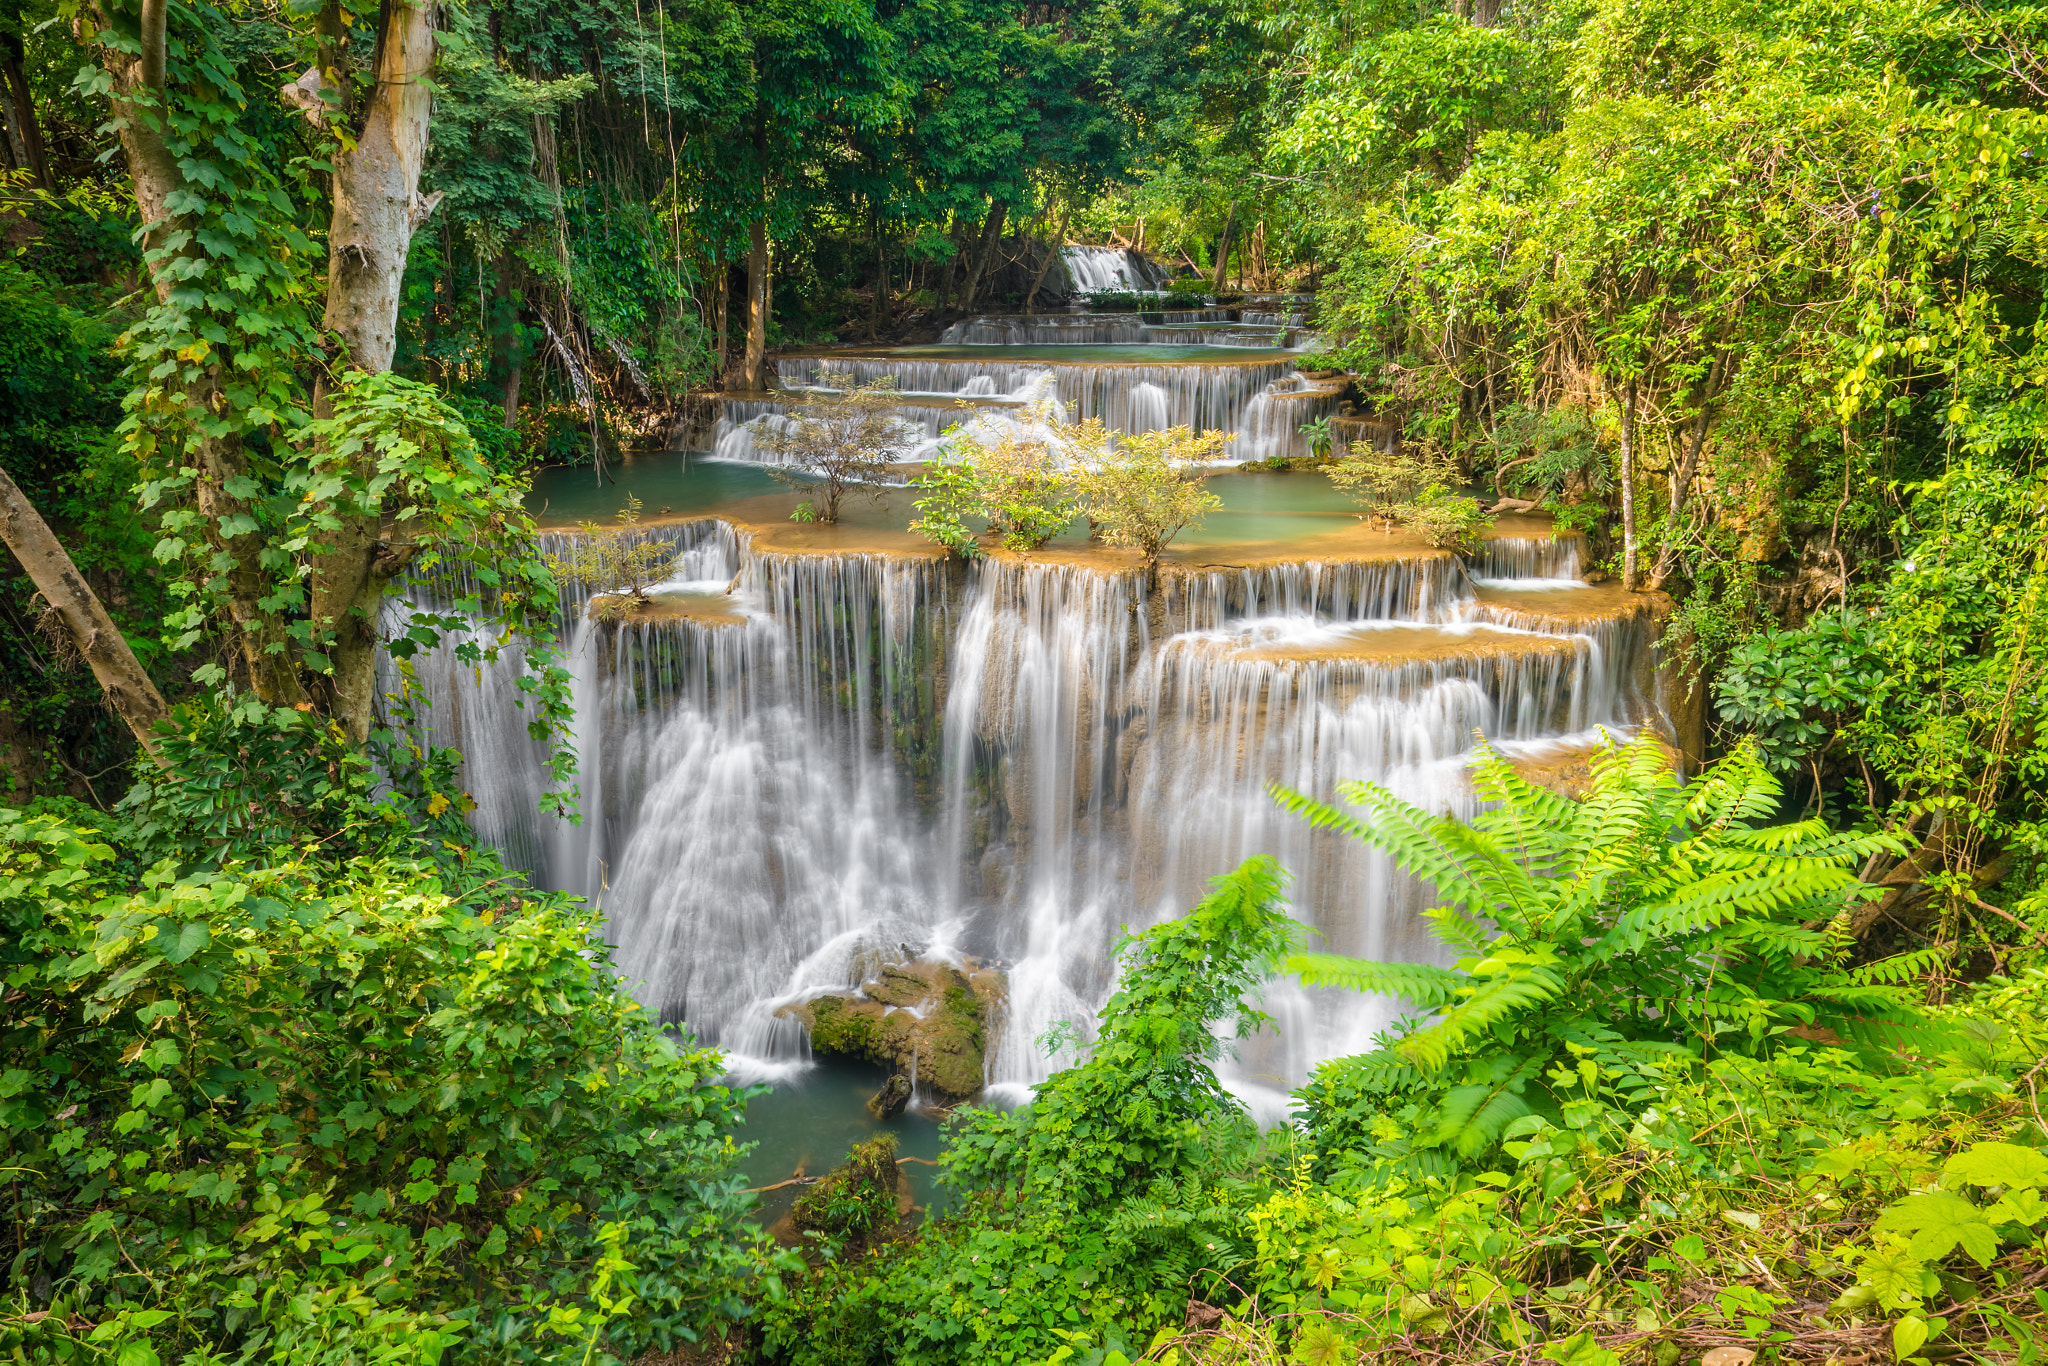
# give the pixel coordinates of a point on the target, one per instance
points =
(839, 440)
(622, 558)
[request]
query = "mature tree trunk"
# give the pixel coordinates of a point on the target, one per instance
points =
(1223, 249)
(49, 567)
(1629, 578)
(754, 371)
(991, 239)
(377, 202)
(222, 464)
(377, 207)
(1052, 254)
(13, 59)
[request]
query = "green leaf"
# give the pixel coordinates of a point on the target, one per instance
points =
(1909, 1335)
(191, 938)
(1997, 1164)
(1939, 1222)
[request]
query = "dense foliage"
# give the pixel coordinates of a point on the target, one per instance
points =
(357, 1098)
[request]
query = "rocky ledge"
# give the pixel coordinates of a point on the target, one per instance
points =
(926, 1020)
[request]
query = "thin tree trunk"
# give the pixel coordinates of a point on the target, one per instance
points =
(121, 675)
(1629, 580)
(1682, 477)
(1052, 254)
(880, 293)
(991, 238)
(377, 208)
(721, 271)
(753, 372)
(1223, 249)
(507, 355)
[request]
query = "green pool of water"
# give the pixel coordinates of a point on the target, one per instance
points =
(565, 495)
(1259, 507)
(812, 1122)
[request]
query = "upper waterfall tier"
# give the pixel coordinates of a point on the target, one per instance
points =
(817, 761)
(1186, 327)
(1091, 270)
(1253, 394)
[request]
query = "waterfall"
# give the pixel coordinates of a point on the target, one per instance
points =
(1097, 774)
(851, 757)
(1206, 397)
(1087, 329)
(778, 842)
(1091, 269)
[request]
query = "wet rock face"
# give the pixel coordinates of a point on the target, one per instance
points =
(926, 1020)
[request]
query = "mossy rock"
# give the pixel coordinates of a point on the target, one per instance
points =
(927, 1020)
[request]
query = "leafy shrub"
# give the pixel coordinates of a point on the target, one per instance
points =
(1113, 301)
(622, 559)
(1144, 489)
(1022, 487)
(1444, 519)
(1188, 287)
(1792, 689)
(853, 1201)
(839, 440)
(276, 1107)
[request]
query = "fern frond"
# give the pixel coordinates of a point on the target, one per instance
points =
(1492, 999)
(1425, 984)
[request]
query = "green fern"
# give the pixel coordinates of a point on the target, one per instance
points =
(1651, 920)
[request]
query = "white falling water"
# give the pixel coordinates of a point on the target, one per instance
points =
(855, 757)
(1090, 269)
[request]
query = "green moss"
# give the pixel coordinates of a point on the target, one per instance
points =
(840, 1026)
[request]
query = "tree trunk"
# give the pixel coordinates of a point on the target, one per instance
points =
(1223, 249)
(1629, 580)
(991, 238)
(377, 207)
(1682, 477)
(136, 101)
(508, 355)
(878, 299)
(13, 56)
(1052, 254)
(721, 271)
(49, 567)
(753, 373)
(377, 202)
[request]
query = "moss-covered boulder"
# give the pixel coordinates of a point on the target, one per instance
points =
(927, 1020)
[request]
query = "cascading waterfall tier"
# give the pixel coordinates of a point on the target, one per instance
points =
(1090, 269)
(1262, 402)
(802, 764)
(1075, 329)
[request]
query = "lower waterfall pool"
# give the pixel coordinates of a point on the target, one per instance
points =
(813, 1118)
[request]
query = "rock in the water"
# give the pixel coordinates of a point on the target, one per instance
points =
(923, 1019)
(888, 1102)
